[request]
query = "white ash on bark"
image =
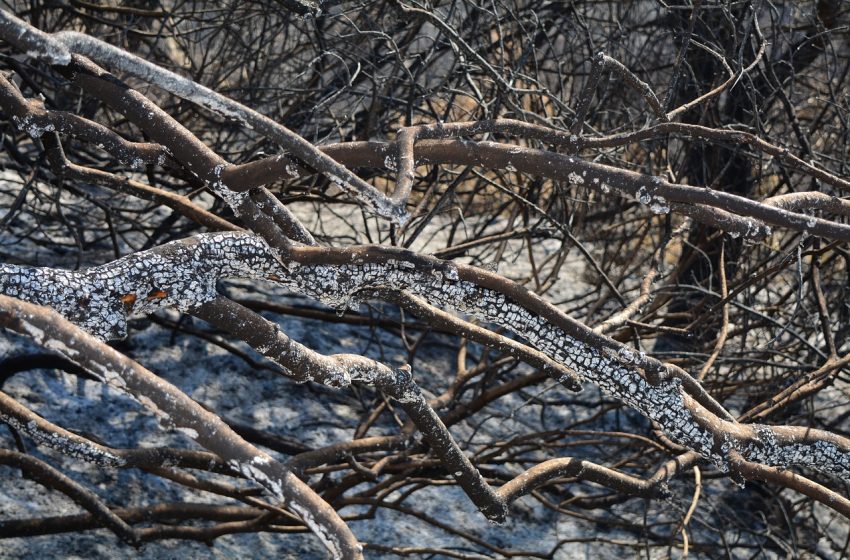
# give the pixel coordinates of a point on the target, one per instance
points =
(183, 274)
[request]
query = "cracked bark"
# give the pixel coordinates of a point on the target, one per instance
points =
(186, 272)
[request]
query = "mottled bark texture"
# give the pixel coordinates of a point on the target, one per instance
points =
(664, 174)
(183, 275)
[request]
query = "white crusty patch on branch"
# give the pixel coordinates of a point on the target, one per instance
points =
(183, 274)
(337, 285)
(77, 449)
(663, 403)
(236, 200)
(340, 370)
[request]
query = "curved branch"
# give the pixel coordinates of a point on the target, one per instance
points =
(172, 406)
(186, 272)
(735, 214)
(31, 117)
(58, 48)
(546, 471)
(44, 474)
(340, 370)
(164, 512)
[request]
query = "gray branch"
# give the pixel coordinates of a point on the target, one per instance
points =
(183, 275)
(57, 49)
(173, 407)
